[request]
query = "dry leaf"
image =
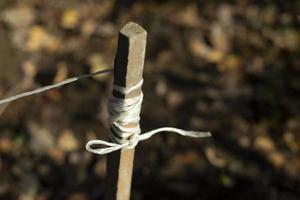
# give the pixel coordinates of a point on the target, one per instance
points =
(214, 157)
(6, 145)
(225, 15)
(264, 143)
(219, 38)
(88, 27)
(19, 17)
(62, 72)
(29, 70)
(97, 63)
(70, 19)
(161, 88)
(41, 138)
(174, 98)
(56, 154)
(292, 141)
(277, 158)
(39, 39)
(231, 63)
(187, 16)
(200, 49)
(244, 141)
(67, 141)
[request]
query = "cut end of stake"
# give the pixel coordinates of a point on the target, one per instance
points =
(129, 61)
(132, 29)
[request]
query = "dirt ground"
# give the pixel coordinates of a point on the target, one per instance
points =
(229, 67)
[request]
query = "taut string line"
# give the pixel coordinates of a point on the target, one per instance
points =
(49, 87)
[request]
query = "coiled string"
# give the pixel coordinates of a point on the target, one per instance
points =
(127, 111)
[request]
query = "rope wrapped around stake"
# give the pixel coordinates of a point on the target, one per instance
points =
(123, 112)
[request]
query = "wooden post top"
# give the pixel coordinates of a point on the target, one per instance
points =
(129, 61)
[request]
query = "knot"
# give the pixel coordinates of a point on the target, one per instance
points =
(123, 121)
(133, 141)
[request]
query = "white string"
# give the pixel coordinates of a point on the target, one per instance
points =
(127, 111)
(115, 146)
(122, 112)
(49, 87)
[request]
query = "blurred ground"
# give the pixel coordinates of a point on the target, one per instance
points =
(231, 67)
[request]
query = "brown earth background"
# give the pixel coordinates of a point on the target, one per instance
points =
(230, 67)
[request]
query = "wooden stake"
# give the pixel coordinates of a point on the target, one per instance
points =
(128, 71)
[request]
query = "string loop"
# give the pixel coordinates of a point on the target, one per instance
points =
(124, 117)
